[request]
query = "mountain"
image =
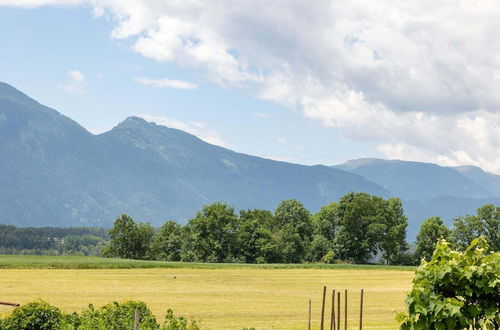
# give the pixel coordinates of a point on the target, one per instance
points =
(429, 189)
(54, 172)
(487, 180)
(415, 180)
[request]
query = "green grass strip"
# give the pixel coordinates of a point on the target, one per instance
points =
(82, 262)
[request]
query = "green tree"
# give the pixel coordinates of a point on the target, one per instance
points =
(486, 223)
(358, 231)
(392, 229)
(293, 227)
(213, 233)
(255, 242)
(455, 290)
(129, 239)
(167, 243)
(431, 231)
(325, 224)
(326, 221)
(320, 247)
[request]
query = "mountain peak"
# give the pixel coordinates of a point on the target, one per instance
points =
(10, 93)
(150, 128)
(134, 120)
(469, 168)
(354, 163)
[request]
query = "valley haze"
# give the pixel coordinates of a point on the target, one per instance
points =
(53, 172)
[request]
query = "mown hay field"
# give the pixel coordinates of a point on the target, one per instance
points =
(222, 298)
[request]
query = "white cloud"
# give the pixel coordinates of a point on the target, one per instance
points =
(198, 129)
(281, 140)
(76, 82)
(166, 83)
(420, 78)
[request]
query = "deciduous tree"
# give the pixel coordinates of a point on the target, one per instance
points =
(214, 233)
(431, 231)
(486, 222)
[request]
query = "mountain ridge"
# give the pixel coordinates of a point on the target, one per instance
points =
(152, 172)
(55, 172)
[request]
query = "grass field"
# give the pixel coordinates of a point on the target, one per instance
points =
(222, 297)
(81, 262)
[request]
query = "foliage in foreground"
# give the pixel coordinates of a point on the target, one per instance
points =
(40, 315)
(455, 290)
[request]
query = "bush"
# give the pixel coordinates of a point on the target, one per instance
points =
(455, 290)
(328, 258)
(178, 323)
(39, 315)
(36, 315)
(116, 316)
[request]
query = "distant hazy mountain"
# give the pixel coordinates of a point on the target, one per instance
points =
(415, 180)
(428, 189)
(54, 172)
(489, 181)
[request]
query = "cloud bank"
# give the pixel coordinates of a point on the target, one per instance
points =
(421, 78)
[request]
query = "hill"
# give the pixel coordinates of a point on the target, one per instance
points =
(416, 180)
(429, 189)
(54, 172)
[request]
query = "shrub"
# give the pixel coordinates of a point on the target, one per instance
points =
(39, 315)
(329, 257)
(36, 315)
(178, 323)
(116, 316)
(455, 290)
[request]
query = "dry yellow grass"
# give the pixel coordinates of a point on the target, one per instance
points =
(220, 298)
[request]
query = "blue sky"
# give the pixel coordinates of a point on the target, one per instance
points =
(310, 83)
(43, 45)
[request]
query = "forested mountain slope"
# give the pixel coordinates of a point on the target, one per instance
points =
(54, 172)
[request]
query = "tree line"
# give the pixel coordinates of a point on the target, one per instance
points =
(359, 228)
(354, 229)
(52, 240)
(485, 223)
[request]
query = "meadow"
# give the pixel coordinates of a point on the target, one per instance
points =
(222, 296)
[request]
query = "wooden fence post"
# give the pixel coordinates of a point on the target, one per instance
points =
(332, 319)
(338, 310)
(345, 311)
(322, 327)
(309, 320)
(361, 311)
(137, 319)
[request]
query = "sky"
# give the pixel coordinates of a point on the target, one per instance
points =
(310, 82)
